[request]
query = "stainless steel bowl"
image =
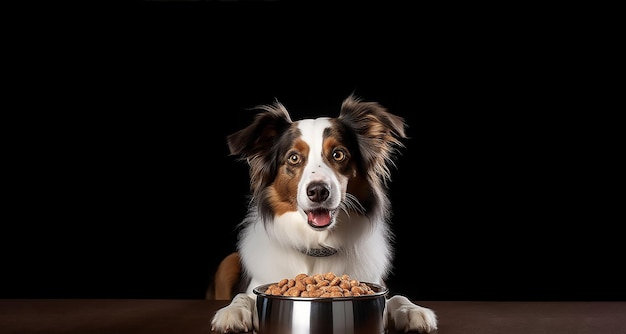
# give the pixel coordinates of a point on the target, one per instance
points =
(336, 315)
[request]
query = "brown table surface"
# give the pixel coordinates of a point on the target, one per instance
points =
(193, 316)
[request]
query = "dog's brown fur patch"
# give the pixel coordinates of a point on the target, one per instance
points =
(226, 278)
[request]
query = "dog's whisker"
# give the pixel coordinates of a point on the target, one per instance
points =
(351, 203)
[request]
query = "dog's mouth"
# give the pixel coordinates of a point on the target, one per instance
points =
(320, 218)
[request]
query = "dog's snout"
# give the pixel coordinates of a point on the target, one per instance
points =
(317, 192)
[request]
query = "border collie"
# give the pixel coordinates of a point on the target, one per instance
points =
(318, 204)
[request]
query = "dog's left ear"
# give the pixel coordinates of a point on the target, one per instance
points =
(374, 120)
(379, 132)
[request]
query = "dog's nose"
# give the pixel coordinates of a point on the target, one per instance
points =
(317, 192)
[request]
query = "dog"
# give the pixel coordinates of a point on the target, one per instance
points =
(318, 204)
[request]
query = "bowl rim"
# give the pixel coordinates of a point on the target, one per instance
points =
(379, 291)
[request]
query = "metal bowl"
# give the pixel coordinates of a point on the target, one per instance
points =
(322, 315)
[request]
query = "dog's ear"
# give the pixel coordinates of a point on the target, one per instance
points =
(372, 120)
(264, 130)
(256, 142)
(379, 132)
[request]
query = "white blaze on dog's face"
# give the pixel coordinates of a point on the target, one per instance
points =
(321, 187)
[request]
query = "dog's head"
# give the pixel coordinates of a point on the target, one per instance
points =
(312, 169)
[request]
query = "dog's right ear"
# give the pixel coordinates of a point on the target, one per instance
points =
(253, 140)
(256, 143)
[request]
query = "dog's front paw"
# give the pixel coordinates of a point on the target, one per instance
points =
(406, 316)
(234, 318)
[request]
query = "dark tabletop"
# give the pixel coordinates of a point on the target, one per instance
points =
(193, 316)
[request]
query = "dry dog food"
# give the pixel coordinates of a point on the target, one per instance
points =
(319, 285)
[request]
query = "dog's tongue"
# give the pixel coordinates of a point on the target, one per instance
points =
(319, 218)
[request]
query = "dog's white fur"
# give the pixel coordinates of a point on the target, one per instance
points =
(274, 239)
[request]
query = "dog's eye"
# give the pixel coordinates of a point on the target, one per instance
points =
(339, 155)
(294, 159)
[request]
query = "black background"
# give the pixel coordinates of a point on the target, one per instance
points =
(121, 185)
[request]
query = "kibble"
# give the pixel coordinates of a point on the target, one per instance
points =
(319, 285)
